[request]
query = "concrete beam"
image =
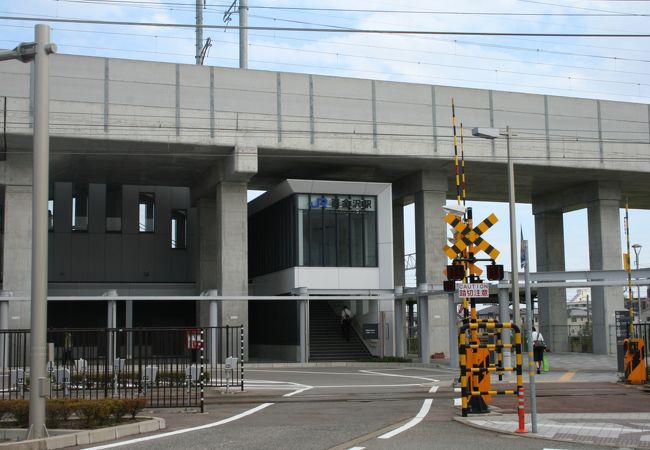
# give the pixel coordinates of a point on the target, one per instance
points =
(405, 188)
(578, 197)
(239, 166)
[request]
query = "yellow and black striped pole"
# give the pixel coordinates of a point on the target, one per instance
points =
(453, 121)
(462, 164)
(470, 391)
(628, 268)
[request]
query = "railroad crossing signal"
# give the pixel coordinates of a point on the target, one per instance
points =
(467, 236)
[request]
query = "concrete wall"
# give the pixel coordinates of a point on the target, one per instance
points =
(170, 102)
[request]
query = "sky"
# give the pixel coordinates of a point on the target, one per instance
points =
(610, 68)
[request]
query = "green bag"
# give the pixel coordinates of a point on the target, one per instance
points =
(545, 365)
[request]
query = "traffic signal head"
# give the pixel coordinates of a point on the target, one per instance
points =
(495, 272)
(449, 285)
(455, 272)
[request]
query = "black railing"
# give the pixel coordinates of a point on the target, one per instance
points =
(170, 367)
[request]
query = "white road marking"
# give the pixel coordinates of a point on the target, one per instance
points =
(356, 448)
(269, 385)
(291, 394)
(396, 375)
(458, 402)
(367, 385)
(413, 422)
(303, 371)
(184, 430)
(433, 389)
(458, 390)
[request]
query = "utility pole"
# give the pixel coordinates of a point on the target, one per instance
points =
(243, 34)
(199, 31)
(38, 52)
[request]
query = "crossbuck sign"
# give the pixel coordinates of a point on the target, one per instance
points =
(470, 290)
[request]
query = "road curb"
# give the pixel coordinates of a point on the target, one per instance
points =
(66, 438)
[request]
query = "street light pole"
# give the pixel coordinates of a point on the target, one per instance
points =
(493, 133)
(637, 252)
(513, 233)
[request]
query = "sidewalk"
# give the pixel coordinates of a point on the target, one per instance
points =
(579, 400)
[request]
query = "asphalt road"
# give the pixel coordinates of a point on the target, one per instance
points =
(334, 408)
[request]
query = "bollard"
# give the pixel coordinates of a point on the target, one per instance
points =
(521, 412)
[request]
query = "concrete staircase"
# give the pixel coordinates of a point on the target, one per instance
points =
(326, 342)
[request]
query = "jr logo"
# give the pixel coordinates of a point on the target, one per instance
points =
(319, 202)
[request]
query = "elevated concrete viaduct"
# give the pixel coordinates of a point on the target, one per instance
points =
(221, 131)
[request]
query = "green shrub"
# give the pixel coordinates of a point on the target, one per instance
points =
(117, 409)
(134, 405)
(92, 413)
(5, 409)
(19, 409)
(58, 410)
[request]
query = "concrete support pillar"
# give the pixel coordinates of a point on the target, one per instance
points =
(398, 307)
(430, 237)
(549, 238)
(423, 323)
(17, 252)
(207, 254)
(111, 322)
(303, 324)
(232, 252)
(303, 305)
(398, 243)
(453, 330)
(604, 254)
(128, 323)
(4, 326)
(213, 335)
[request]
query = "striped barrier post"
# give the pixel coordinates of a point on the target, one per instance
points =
(462, 361)
(469, 391)
(521, 412)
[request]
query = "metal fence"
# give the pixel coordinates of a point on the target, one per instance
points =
(170, 367)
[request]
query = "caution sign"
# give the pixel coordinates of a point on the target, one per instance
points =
(474, 290)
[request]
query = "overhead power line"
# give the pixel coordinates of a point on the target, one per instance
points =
(325, 30)
(168, 5)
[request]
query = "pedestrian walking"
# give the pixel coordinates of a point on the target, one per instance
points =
(346, 322)
(539, 347)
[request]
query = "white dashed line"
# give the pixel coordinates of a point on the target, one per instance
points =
(397, 375)
(413, 422)
(433, 389)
